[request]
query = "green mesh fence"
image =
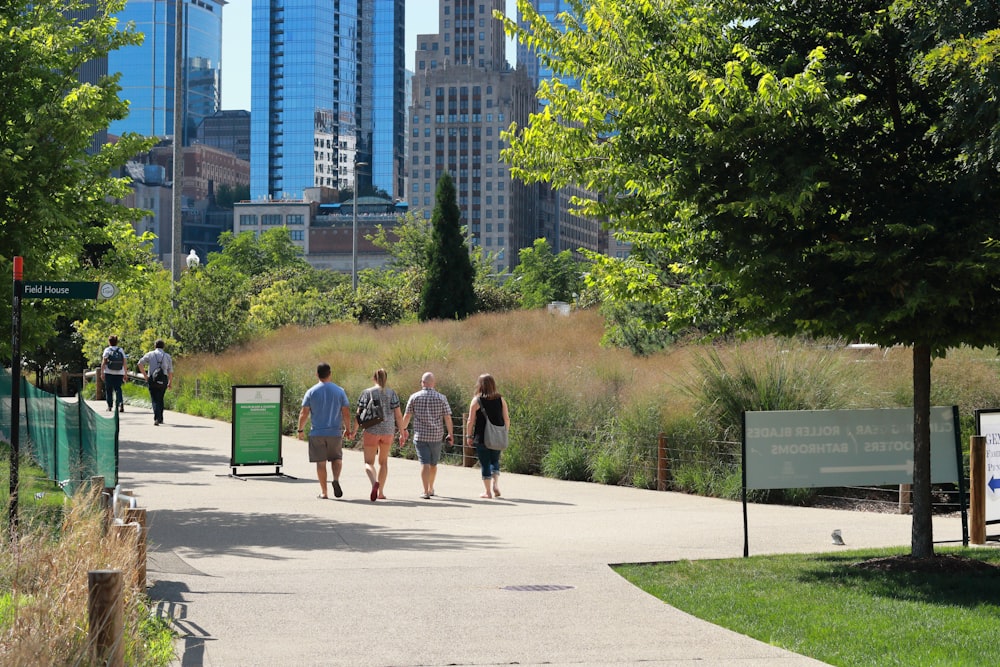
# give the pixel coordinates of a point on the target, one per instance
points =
(66, 437)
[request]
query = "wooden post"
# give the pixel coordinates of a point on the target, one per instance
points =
(64, 383)
(468, 449)
(106, 618)
(977, 489)
(905, 498)
(662, 463)
(137, 516)
(102, 497)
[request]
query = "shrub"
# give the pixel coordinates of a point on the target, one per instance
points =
(567, 459)
(491, 298)
(541, 416)
(765, 376)
(378, 306)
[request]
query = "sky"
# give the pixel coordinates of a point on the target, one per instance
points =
(421, 19)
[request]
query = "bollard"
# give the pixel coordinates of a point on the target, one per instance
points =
(977, 489)
(130, 534)
(97, 488)
(905, 498)
(468, 448)
(106, 617)
(662, 463)
(137, 517)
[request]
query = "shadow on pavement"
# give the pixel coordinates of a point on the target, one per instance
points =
(208, 531)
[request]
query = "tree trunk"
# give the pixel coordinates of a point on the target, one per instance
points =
(922, 537)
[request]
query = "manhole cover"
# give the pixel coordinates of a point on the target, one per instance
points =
(537, 587)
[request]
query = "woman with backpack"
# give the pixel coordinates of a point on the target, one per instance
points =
(378, 414)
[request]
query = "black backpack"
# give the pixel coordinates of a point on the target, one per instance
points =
(116, 359)
(159, 378)
(370, 411)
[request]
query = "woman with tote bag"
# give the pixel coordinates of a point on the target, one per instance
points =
(488, 411)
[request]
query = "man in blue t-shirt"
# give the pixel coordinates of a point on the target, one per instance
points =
(326, 406)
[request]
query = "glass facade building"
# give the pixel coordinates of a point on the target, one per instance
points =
(327, 92)
(384, 75)
(303, 104)
(148, 70)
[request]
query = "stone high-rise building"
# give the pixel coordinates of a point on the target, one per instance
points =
(464, 95)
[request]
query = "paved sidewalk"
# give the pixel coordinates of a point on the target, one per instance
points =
(261, 572)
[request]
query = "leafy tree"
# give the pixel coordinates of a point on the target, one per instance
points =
(212, 311)
(251, 255)
(138, 315)
(410, 247)
(57, 207)
(543, 277)
(819, 167)
(284, 302)
(448, 292)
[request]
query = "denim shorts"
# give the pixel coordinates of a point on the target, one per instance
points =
(428, 453)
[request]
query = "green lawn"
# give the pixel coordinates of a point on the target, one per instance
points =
(826, 607)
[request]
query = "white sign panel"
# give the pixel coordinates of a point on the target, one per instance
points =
(825, 448)
(988, 425)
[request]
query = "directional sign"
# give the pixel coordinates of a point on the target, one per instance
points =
(59, 290)
(988, 426)
(815, 448)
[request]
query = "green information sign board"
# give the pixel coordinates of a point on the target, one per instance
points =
(787, 449)
(256, 427)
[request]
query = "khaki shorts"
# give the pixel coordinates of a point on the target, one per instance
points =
(326, 448)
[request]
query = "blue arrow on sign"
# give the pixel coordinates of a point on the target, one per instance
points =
(994, 484)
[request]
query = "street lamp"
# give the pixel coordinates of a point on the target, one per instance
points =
(354, 229)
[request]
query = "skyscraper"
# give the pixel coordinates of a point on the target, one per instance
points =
(382, 73)
(148, 70)
(304, 96)
(326, 94)
(464, 95)
(563, 229)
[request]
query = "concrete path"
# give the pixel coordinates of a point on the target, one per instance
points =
(261, 572)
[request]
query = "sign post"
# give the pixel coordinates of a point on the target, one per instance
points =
(15, 396)
(36, 290)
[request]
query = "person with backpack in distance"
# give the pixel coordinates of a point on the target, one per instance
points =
(487, 405)
(378, 414)
(158, 369)
(113, 374)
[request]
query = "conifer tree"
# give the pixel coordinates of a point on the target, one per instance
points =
(448, 291)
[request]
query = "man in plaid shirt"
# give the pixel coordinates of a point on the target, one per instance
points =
(431, 417)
